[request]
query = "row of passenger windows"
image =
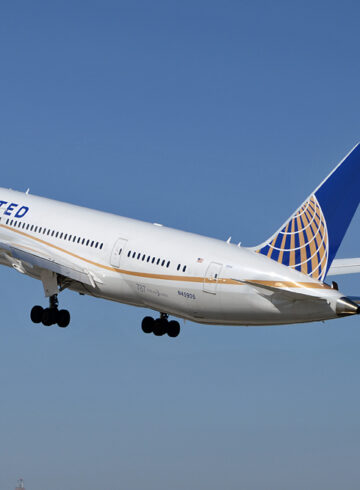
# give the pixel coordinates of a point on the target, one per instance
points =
(152, 260)
(55, 234)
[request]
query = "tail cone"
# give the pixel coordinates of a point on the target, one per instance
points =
(345, 307)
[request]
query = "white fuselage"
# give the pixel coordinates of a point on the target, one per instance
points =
(152, 266)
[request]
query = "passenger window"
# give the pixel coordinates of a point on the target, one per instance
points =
(153, 260)
(69, 238)
(65, 236)
(11, 222)
(39, 229)
(184, 268)
(87, 243)
(162, 263)
(168, 264)
(134, 255)
(35, 229)
(139, 254)
(148, 259)
(158, 262)
(143, 257)
(53, 233)
(32, 227)
(48, 232)
(23, 225)
(79, 240)
(92, 244)
(83, 241)
(74, 239)
(57, 234)
(129, 252)
(101, 246)
(178, 267)
(44, 231)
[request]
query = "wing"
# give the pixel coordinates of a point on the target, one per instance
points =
(344, 266)
(38, 257)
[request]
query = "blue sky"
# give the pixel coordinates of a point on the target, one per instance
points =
(213, 117)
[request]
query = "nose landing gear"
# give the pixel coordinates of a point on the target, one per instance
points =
(160, 326)
(51, 315)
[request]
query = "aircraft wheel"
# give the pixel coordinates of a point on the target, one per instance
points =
(160, 327)
(173, 329)
(147, 324)
(63, 318)
(49, 317)
(36, 314)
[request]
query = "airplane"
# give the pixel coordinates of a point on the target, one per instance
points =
(185, 275)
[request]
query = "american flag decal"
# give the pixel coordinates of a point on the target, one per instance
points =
(303, 242)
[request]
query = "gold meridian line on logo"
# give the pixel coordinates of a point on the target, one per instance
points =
(302, 247)
(307, 227)
(283, 241)
(292, 244)
(320, 237)
(313, 251)
(299, 215)
(321, 240)
(270, 251)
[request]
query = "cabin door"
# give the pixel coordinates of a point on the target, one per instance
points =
(118, 252)
(211, 278)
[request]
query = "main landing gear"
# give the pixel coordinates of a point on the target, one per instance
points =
(160, 326)
(50, 316)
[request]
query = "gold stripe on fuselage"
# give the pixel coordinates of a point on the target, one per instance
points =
(166, 277)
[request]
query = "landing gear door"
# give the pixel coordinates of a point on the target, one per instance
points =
(211, 278)
(118, 252)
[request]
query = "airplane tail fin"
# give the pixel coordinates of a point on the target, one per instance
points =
(309, 240)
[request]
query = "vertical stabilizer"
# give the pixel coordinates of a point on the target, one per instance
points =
(309, 240)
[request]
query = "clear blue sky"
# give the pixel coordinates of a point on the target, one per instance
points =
(213, 117)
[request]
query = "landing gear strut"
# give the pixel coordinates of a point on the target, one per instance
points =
(160, 326)
(51, 315)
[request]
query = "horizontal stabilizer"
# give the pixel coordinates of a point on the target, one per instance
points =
(344, 266)
(355, 299)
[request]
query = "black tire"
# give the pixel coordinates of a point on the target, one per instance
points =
(147, 324)
(36, 314)
(160, 327)
(49, 317)
(63, 318)
(173, 329)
